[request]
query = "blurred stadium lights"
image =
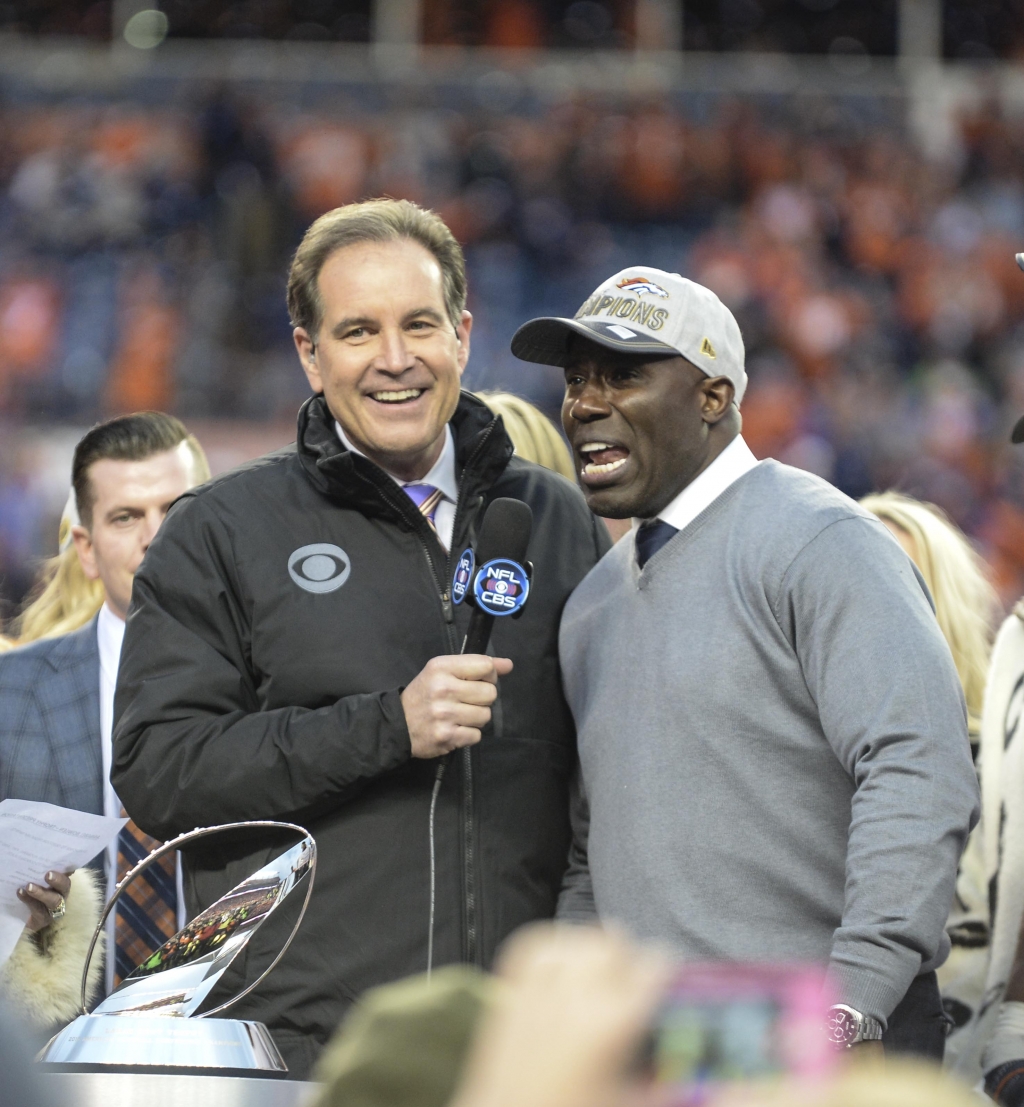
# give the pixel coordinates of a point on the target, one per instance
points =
(919, 30)
(933, 93)
(933, 89)
(146, 29)
(658, 24)
(395, 24)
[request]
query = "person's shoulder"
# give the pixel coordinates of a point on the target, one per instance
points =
(26, 664)
(278, 465)
(795, 506)
(803, 493)
(1008, 646)
(270, 475)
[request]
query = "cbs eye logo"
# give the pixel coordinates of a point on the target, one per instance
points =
(320, 567)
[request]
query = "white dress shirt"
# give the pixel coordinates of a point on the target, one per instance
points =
(441, 476)
(110, 635)
(732, 463)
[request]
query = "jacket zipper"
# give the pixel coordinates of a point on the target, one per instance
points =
(468, 828)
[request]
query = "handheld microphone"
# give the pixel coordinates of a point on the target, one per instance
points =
(501, 584)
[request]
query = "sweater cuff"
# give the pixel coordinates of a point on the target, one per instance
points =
(863, 990)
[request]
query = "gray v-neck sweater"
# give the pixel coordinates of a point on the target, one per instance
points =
(773, 741)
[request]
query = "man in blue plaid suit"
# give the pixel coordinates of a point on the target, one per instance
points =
(56, 710)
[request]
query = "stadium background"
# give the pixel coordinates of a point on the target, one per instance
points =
(849, 177)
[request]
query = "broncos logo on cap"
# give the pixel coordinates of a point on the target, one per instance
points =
(640, 285)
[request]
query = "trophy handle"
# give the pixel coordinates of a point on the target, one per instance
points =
(175, 844)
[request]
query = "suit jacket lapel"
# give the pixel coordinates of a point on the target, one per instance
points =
(72, 707)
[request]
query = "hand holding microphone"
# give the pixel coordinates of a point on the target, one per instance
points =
(449, 702)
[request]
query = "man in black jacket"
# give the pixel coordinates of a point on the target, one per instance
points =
(291, 650)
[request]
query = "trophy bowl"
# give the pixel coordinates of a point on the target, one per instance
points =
(149, 1024)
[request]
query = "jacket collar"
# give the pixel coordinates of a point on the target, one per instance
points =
(482, 451)
(79, 647)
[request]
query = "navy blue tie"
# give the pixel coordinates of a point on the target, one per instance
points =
(651, 536)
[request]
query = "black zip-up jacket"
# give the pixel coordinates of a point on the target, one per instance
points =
(243, 694)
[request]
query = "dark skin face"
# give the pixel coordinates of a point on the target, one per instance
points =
(661, 422)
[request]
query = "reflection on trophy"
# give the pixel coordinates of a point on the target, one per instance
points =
(149, 1023)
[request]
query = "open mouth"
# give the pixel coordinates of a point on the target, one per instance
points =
(601, 460)
(397, 396)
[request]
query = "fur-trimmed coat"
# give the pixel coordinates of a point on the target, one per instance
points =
(51, 751)
(42, 979)
(1002, 831)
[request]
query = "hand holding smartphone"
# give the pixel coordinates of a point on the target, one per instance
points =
(722, 1023)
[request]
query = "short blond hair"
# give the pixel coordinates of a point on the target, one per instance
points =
(965, 602)
(371, 221)
(534, 436)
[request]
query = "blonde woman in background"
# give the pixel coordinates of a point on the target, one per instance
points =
(533, 435)
(965, 607)
(63, 598)
(536, 438)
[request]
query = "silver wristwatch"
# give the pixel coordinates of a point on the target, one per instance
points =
(848, 1027)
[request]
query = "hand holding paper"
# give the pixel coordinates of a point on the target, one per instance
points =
(36, 838)
(43, 901)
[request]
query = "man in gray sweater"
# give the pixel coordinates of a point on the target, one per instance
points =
(772, 736)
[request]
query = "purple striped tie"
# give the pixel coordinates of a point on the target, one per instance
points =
(427, 498)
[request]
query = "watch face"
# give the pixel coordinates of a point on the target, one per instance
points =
(842, 1026)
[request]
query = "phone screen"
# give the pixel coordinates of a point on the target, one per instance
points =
(727, 1023)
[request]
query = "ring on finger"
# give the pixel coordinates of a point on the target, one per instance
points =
(58, 911)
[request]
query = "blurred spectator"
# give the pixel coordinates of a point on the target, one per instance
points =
(146, 241)
(896, 1084)
(533, 435)
(561, 1026)
(997, 1032)
(536, 438)
(59, 693)
(558, 1028)
(965, 603)
(405, 1044)
(965, 607)
(63, 597)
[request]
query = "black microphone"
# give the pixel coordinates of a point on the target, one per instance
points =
(504, 534)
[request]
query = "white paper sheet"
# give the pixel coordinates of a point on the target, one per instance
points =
(37, 838)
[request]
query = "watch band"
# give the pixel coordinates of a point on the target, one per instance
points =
(846, 1026)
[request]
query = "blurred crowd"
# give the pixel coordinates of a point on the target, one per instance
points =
(143, 252)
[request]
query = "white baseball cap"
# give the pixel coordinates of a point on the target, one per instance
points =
(646, 311)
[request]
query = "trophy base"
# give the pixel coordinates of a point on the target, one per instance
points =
(160, 1045)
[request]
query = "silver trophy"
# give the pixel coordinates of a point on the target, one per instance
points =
(148, 1024)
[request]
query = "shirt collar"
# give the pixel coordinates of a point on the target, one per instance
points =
(731, 464)
(441, 475)
(109, 636)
